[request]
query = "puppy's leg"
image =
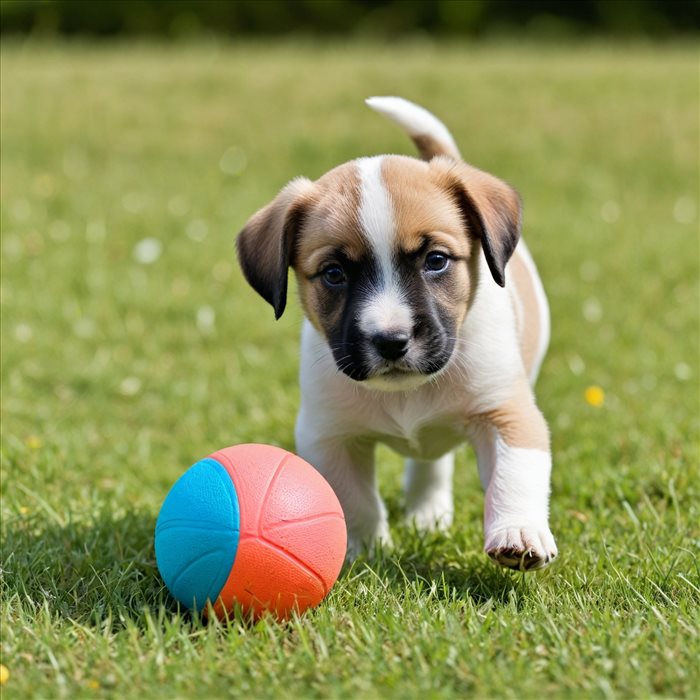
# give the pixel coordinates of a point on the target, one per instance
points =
(428, 487)
(349, 469)
(512, 448)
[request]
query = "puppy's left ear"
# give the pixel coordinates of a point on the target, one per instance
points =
(491, 210)
(266, 243)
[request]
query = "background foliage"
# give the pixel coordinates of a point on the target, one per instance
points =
(358, 17)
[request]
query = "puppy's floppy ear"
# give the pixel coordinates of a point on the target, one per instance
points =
(266, 243)
(491, 210)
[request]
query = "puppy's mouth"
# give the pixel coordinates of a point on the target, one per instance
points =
(393, 370)
(397, 379)
(390, 372)
(410, 371)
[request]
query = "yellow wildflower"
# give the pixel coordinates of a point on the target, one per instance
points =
(594, 396)
(33, 442)
(4, 674)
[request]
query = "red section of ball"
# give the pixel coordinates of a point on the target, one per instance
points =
(293, 537)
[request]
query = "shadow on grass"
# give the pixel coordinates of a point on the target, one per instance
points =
(94, 570)
(437, 565)
(102, 571)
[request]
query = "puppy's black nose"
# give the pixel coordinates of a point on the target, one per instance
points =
(391, 346)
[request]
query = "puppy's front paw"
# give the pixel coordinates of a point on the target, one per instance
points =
(521, 548)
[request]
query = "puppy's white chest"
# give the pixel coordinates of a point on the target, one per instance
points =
(421, 424)
(427, 442)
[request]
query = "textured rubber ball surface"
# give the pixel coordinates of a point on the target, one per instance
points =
(197, 534)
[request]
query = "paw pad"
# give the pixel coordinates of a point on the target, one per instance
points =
(522, 549)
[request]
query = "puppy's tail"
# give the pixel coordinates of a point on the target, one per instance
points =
(428, 133)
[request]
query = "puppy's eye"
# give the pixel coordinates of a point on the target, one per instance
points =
(436, 262)
(334, 276)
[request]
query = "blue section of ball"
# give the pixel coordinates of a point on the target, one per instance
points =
(197, 533)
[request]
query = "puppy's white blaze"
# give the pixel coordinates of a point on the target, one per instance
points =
(376, 216)
(386, 308)
(415, 120)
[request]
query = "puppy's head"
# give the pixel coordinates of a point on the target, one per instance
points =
(385, 250)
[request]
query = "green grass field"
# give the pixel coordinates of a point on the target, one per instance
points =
(131, 347)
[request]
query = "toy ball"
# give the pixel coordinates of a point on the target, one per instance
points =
(254, 526)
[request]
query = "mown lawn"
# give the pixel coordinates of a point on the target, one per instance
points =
(131, 347)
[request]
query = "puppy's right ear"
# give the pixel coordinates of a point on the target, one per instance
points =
(266, 243)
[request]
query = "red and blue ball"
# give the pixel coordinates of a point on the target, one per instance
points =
(252, 526)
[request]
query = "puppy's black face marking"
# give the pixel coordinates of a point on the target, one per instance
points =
(417, 337)
(338, 306)
(434, 328)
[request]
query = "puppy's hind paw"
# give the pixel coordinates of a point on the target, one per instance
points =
(521, 548)
(431, 516)
(369, 545)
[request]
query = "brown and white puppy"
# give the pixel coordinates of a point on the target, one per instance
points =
(412, 336)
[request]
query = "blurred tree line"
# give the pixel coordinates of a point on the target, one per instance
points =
(656, 18)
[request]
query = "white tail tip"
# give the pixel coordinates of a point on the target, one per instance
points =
(420, 124)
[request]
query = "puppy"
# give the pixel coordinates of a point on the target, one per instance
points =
(426, 324)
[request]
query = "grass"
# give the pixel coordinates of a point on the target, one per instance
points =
(116, 374)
